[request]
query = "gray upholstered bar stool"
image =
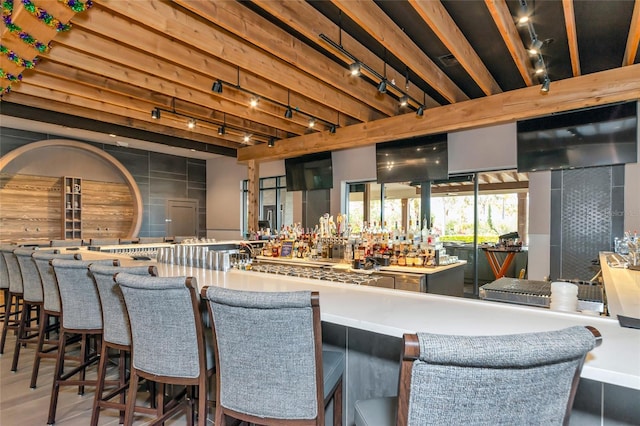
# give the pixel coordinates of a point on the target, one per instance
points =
(517, 379)
(116, 335)
(31, 302)
(80, 313)
(14, 301)
(271, 369)
(4, 286)
(47, 347)
(168, 342)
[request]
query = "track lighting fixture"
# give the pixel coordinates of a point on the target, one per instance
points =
(254, 101)
(155, 113)
(288, 113)
(191, 123)
(420, 111)
(217, 86)
(332, 128)
(355, 69)
(535, 46)
(545, 85)
(382, 86)
(312, 123)
(222, 130)
(272, 142)
(404, 100)
(246, 138)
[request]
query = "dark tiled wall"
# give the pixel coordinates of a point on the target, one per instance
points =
(587, 207)
(159, 177)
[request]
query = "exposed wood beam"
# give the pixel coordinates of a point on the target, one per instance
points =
(371, 18)
(572, 38)
(163, 54)
(504, 21)
(441, 23)
(162, 83)
(609, 86)
(105, 123)
(633, 40)
(220, 44)
(254, 29)
(482, 187)
(306, 20)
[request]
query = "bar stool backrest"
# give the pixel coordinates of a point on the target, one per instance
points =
(104, 241)
(166, 326)
(267, 345)
(505, 379)
(31, 282)
(42, 259)
(114, 312)
(150, 240)
(79, 300)
(66, 243)
(13, 269)
(4, 273)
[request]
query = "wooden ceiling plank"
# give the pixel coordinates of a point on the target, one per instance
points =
(633, 40)
(441, 23)
(507, 28)
(572, 38)
(621, 84)
(161, 82)
(306, 20)
(168, 20)
(254, 29)
(40, 86)
(99, 115)
(374, 21)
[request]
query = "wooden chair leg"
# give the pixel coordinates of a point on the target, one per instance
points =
(122, 369)
(22, 325)
(202, 402)
(57, 374)
(13, 309)
(44, 321)
(102, 370)
(131, 398)
(337, 405)
(83, 358)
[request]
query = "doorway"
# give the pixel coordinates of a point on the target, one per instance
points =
(182, 217)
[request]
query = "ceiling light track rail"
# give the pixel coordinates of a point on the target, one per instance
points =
(383, 83)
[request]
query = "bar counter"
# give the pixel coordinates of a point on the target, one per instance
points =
(394, 312)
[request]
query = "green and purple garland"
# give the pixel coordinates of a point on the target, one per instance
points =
(13, 57)
(76, 5)
(7, 11)
(10, 76)
(44, 17)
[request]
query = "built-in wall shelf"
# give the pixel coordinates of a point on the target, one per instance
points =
(71, 208)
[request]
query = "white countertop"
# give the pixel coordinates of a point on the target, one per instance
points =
(622, 287)
(394, 312)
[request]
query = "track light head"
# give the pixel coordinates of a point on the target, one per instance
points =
(404, 100)
(288, 113)
(222, 130)
(217, 86)
(355, 69)
(272, 142)
(420, 111)
(382, 87)
(254, 102)
(546, 84)
(191, 123)
(332, 128)
(155, 113)
(246, 138)
(534, 49)
(312, 123)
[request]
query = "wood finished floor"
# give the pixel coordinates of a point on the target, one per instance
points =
(22, 406)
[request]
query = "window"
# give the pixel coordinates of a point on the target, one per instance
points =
(275, 203)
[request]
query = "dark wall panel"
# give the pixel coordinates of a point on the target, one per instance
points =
(158, 176)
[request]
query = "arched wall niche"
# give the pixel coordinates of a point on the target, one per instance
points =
(50, 160)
